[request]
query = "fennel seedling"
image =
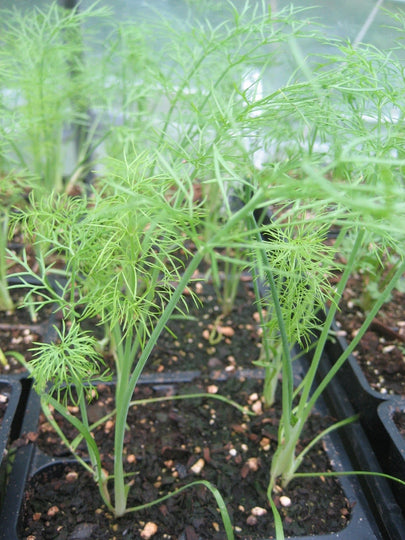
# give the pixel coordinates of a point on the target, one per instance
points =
(122, 268)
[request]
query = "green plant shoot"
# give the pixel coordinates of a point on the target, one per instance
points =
(122, 270)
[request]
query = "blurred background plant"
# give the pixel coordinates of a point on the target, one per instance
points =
(45, 82)
(13, 193)
(375, 266)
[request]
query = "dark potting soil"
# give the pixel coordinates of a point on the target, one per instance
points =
(18, 333)
(381, 352)
(16, 339)
(173, 443)
(203, 339)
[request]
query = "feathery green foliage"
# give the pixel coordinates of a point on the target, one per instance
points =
(330, 140)
(44, 84)
(121, 251)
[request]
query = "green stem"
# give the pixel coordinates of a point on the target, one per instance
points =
(284, 462)
(349, 473)
(271, 374)
(97, 471)
(288, 379)
(270, 357)
(310, 376)
(85, 421)
(6, 302)
(218, 497)
(123, 398)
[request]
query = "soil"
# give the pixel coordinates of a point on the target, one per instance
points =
(207, 341)
(170, 444)
(18, 333)
(381, 352)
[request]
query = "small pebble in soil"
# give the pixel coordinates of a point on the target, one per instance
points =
(256, 316)
(206, 334)
(265, 444)
(108, 426)
(214, 362)
(149, 530)
(341, 333)
(253, 463)
(71, 477)
(227, 331)
(257, 407)
(199, 287)
(251, 520)
(198, 466)
(53, 510)
(285, 501)
(258, 511)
